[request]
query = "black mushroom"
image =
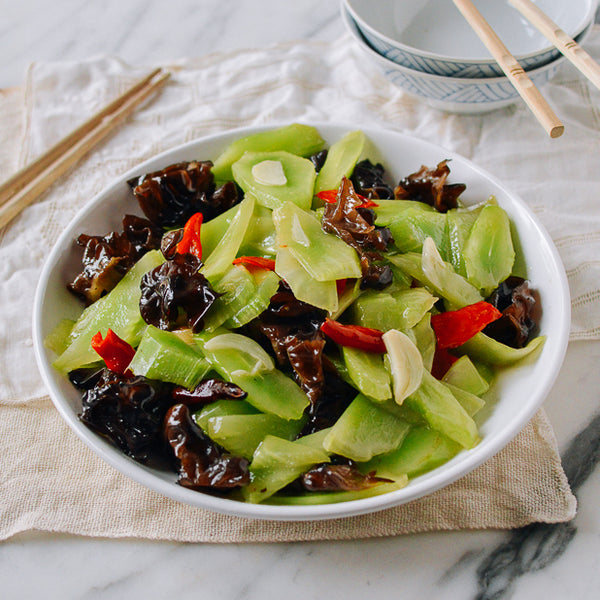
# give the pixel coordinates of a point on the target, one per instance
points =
(171, 288)
(201, 463)
(128, 410)
(208, 391)
(521, 311)
(369, 181)
(429, 186)
(339, 477)
(106, 259)
(293, 328)
(171, 196)
(355, 225)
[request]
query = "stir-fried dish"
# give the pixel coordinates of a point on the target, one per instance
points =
(287, 324)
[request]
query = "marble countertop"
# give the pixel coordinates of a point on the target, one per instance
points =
(540, 561)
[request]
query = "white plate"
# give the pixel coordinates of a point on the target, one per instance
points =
(520, 391)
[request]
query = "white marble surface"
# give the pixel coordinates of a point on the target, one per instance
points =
(551, 562)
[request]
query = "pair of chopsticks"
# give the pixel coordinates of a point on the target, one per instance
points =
(27, 184)
(513, 70)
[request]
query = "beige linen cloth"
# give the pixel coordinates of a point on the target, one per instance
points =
(50, 481)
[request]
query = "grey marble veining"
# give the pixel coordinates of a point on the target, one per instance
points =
(540, 561)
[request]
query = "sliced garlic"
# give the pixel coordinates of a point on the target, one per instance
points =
(269, 172)
(298, 234)
(406, 364)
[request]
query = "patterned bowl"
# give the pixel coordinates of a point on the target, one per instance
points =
(433, 37)
(453, 94)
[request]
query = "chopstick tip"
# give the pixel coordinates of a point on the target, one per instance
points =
(557, 131)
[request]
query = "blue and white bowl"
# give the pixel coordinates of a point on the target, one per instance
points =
(432, 36)
(452, 94)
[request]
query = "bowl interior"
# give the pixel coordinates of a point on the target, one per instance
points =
(517, 395)
(436, 27)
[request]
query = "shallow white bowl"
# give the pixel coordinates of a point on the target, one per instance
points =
(432, 36)
(517, 395)
(453, 94)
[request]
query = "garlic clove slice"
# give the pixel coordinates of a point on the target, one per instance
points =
(406, 364)
(269, 172)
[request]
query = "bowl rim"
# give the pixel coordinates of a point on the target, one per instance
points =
(463, 81)
(419, 487)
(363, 25)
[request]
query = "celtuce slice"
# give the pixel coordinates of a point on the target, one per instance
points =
(248, 351)
(449, 284)
(221, 257)
(322, 294)
(406, 364)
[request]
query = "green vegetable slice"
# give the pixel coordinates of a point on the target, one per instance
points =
(491, 352)
(488, 253)
(470, 402)
(220, 259)
(383, 311)
(316, 498)
(272, 392)
(442, 411)
(423, 449)
(296, 138)
(459, 222)
(223, 408)
(119, 310)
(364, 430)
(340, 162)
(414, 225)
(368, 373)
(164, 356)
(322, 294)
(298, 176)
(388, 211)
(324, 256)
(241, 434)
(238, 287)
(257, 304)
(438, 276)
(231, 352)
(276, 463)
(424, 338)
(464, 374)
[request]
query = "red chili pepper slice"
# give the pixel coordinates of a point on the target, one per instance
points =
(368, 204)
(340, 286)
(354, 336)
(330, 196)
(455, 327)
(442, 361)
(116, 353)
(190, 242)
(255, 262)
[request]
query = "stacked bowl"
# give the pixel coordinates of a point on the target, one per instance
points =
(426, 48)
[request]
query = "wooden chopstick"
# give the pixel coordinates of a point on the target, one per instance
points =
(569, 47)
(26, 185)
(513, 70)
(20, 178)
